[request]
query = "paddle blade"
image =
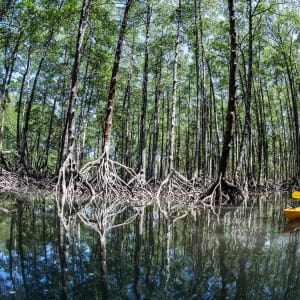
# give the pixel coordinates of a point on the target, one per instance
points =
(296, 194)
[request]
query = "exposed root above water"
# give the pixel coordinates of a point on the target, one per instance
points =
(222, 192)
(175, 192)
(175, 185)
(14, 182)
(109, 179)
(103, 179)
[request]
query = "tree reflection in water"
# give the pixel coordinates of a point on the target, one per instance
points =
(66, 221)
(102, 214)
(119, 249)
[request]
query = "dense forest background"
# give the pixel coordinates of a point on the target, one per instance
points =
(171, 93)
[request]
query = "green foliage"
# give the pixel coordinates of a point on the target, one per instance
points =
(32, 23)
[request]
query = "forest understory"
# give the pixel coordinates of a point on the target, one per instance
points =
(189, 101)
(105, 183)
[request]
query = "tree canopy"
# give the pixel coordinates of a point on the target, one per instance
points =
(185, 44)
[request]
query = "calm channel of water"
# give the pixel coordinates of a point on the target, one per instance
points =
(247, 252)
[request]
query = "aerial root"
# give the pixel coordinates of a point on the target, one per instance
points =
(142, 190)
(222, 192)
(11, 181)
(14, 182)
(173, 196)
(103, 179)
(176, 189)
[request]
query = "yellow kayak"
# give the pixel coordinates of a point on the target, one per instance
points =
(292, 212)
(296, 194)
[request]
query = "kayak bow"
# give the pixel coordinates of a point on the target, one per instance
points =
(296, 194)
(292, 212)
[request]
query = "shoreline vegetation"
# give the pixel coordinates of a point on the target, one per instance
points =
(180, 188)
(190, 101)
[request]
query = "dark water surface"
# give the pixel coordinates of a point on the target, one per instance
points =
(247, 252)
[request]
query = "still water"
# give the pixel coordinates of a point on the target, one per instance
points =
(245, 252)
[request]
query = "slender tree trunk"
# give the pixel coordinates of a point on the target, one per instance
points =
(198, 96)
(262, 157)
(231, 110)
(265, 145)
(216, 148)
(295, 114)
(258, 153)
(38, 157)
(188, 165)
(178, 137)
(61, 155)
(113, 82)
(246, 135)
(162, 148)
(126, 111)
(272, 134)
(289, 117)
(283, 141)
(142, 150)
(83, 128)
(4, 87)
(84, 108)
(24, 147)
(174, 92)
(158, 72)
(48, 141)
(205, 109)
(70, 122)
(19, 105)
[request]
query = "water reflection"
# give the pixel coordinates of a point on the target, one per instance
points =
(291, 226)
(66, 228)
(109, 250)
